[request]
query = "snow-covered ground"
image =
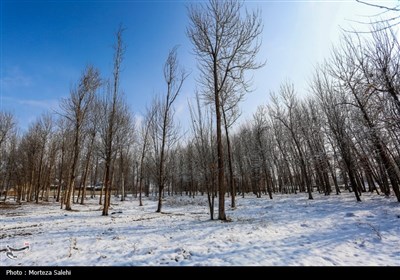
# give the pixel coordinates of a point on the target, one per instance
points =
(288, 230)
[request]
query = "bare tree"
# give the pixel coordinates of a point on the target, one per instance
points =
(35, 151)
(203, 142)
(115, 120)
(124, 139)
(63, 134)
(7, 124)
(329, 96)
(385, 23)
(260, 129)
(7, 130)
(11, 168)
(380, 63)
(226, 46)
(349, 67)
(163, 125)
(290, 118)
(91, 130)
(230, 113)
(145, 135)
(281, 140)
(76, 109)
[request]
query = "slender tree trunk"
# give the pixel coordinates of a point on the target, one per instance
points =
(140, 188)
(264, 166)
(346, 155)
(220, 150)
(161, 175)
(86, 172)
(230, 167)
(304, 170)
(107, 185)
(61, 172)
(39, 177)
(71, 177)
(122, 176)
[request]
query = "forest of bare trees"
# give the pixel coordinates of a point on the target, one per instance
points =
(342, 135)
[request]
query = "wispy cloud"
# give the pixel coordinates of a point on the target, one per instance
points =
(27, 110)
(42, 104)
(47, 104)
(15, 77)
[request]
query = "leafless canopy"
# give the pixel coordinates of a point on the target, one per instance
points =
(226, 45)
(225, 40)
(381, 20)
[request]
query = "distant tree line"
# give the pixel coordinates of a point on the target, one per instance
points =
(344, 136)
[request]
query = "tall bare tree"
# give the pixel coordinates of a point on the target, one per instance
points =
(349, 67)
(163, 124)
(124, 140)
(260, 128)
(290, 117)
(111, 105)
(76, 109)
(226, 45)
(91, 129)
(202, 126)
(329, 98)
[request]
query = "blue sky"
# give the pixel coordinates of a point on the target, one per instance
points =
(45, 45)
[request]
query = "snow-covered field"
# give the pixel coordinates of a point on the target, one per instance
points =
(288, 230)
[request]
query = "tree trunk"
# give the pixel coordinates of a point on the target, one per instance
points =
(71, 177)
(230, 168)
(220, 151)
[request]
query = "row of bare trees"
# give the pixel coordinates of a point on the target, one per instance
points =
(345, 135)
(91, 143)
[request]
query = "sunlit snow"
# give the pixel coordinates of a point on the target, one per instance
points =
(288, 230)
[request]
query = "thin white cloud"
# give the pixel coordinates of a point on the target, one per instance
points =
(15, 77)
(46, 104)
(42, 104)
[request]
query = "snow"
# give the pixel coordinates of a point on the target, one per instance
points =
(289, 230)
